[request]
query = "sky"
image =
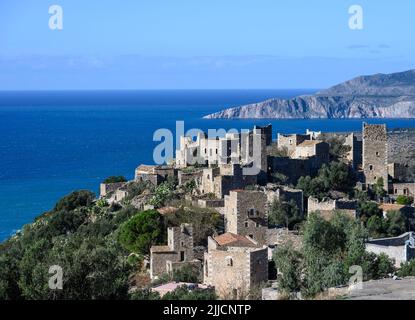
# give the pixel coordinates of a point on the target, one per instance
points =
(201, 44)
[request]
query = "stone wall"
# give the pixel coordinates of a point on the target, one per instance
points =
(291, 141)
(406, 189)
(330, 205)
(246, 214)
(106, 188)
(375, 154)
(179, 249)
(231, 270)
(354, 156)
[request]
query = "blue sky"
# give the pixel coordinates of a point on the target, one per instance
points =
(203, 44)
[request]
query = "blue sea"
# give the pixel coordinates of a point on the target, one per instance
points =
(52, 143)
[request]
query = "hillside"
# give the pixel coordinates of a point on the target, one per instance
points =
(376, 96)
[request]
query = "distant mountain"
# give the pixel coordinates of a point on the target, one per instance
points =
(376, 96)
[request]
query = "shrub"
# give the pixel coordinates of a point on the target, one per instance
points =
(115, 179)
(142, 231)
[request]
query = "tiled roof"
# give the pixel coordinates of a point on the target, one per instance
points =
(234, 240)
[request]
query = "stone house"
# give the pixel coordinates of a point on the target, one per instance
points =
(276, 192)
(312, 148)
(327, 207)
(401, 249)
(291, 141)
(235, 265)
(354, 156)
(106, 189)
(246, 214)
(232, 148)
(177, 253)
(220, 180)
(375, 154)
(154, 174)
(404, 189)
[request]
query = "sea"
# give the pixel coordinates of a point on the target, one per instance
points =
(52, 143)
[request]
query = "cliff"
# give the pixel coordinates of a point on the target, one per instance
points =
(376, 96)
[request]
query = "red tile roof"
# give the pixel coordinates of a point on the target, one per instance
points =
(234, 240)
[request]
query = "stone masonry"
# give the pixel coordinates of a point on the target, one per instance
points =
(246, 214)
(235, 265)
(375, 154)
(177, 253)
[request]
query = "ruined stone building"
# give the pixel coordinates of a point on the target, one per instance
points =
(327, 207)
(401, 249)
(375, 154)
(312, 148)
(246, 214)
(106, 189)
(177, 253)
(233, 148)
(354, 156)
(290, 142)
(154, 174)
(220, 180)
(403, 189)
(284, 193)
(235, 265)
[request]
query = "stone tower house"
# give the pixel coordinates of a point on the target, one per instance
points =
(246, 214)
(375, 154)
(235, 265)
(177, 253)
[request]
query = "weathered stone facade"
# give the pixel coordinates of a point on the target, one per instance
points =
(233, 148)
(375, 154)
(293, 169)
(177, 253)
(327, 207)
(105, 189)
(312, 148)
(354, 156)
(154, 174)
(235, 265)
(404, 189)
(246, 214)
(291, 141)
(284, 193)
(219, 181)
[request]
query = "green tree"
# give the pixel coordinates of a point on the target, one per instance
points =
(376, 226)
(368, 209)
(115, 179)
(75, 200)
(407, 269)
(142, 231)
(404, 200)
(188, 273)
(379, 188)
(284, 213)
(289, 263)
(395, 223)
(162, 194)
(185, 293)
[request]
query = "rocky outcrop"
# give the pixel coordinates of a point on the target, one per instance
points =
(378, 96)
